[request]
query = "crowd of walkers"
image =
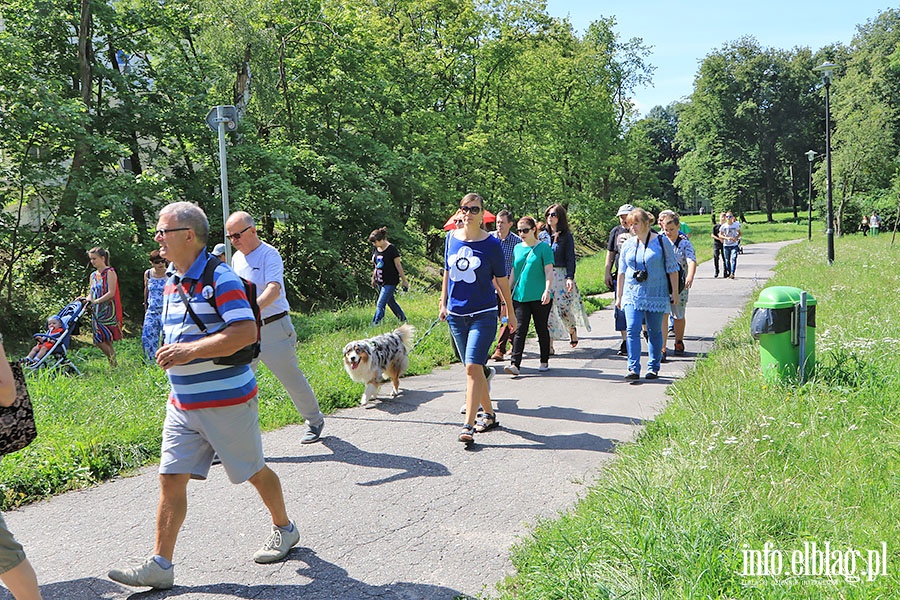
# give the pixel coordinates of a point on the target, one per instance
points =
(199, 320)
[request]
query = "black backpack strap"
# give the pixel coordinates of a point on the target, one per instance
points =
(187, 306)
(206, 279)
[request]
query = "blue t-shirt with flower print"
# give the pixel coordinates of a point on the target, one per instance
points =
(471, 268)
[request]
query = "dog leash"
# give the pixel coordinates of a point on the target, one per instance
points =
(425, 335)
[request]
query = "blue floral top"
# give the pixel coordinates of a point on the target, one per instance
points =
(471, 268)
(652, 294)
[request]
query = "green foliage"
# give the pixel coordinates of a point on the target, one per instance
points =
(734, 460)
(352, 116)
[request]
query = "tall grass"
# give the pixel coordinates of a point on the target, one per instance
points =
(734, 463)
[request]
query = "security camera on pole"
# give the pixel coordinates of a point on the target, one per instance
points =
(220, 119)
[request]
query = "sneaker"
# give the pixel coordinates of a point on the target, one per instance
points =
(511, 369)
(313, 433)
(652, 375)
(490, 375)
(544, 367)
(623, 349)
(632, 375)
(277, 545)
(148, 574)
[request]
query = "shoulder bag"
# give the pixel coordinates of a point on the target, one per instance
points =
(17, 427)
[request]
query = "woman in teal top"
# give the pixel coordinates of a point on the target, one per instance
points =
(531, 281)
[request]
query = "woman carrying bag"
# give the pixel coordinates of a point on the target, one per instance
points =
(16, 572)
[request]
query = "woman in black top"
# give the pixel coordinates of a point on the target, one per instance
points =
(568, 309)
(387, 275)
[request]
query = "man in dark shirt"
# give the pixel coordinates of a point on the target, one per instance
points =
(617, 237)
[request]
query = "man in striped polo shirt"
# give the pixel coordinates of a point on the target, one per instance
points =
(212, 409)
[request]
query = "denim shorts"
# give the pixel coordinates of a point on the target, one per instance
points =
(474, 335)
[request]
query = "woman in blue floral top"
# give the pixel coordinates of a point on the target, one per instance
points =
(473, 260)
(646, 261)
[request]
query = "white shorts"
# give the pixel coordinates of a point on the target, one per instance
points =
(192, 437)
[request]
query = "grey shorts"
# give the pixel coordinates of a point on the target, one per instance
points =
(11, 552)
(192, 437)
(678, 309)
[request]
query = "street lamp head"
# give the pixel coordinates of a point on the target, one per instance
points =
(827, 68)
(811, 155)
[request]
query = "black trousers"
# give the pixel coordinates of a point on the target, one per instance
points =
(717, 255)
(524, 312)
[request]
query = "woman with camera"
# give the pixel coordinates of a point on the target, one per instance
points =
(647, 273)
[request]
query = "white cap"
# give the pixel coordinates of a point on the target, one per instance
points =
(219, 250)
(624, 210)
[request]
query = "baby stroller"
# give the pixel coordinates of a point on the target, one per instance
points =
(57, 357)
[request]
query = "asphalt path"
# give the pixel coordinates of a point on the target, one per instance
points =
(389, 504)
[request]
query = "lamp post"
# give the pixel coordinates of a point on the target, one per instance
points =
(811, 155)
(827, 69)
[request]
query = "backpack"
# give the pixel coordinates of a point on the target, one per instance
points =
(248, 353)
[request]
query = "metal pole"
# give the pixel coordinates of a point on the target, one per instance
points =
(829, 231)
(223, 170)
(801, 337)
(809, 203)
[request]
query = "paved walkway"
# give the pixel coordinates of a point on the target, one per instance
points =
(389, 504)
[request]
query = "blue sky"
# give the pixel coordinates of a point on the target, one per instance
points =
(682, 33)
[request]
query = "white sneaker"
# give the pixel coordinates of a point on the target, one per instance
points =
(277, 545)
(491, 373)
(511, 369)
(544, 367)
(147, 574)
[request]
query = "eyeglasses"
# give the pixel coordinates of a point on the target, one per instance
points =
(551, 215)
(237, 236)
(525, 229)
(472, 210)
(164, 232)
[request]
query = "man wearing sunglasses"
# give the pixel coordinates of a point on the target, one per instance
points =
(261, 263)
(508, 241)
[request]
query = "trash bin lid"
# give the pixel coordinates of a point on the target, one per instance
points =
(782, 296)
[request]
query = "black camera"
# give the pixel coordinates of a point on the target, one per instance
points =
(640, 276)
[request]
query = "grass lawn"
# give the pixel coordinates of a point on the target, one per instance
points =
(734, 464)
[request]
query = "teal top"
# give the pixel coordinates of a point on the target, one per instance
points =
(528, 271)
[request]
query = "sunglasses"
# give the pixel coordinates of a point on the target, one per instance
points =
(237, 236)
(525, 229)
(551, 215)
(164, 232)
(472, 210)
(159, 261)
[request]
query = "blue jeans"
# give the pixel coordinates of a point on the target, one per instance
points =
(634, 318)
(730, 259)
(474, 335)
(386, 298)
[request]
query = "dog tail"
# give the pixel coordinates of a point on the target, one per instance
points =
(407, 333)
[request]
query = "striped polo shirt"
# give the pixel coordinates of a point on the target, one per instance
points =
(201, 383)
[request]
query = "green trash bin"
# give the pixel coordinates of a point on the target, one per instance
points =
(776, 324)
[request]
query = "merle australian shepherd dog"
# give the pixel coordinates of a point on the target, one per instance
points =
(382, 357)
